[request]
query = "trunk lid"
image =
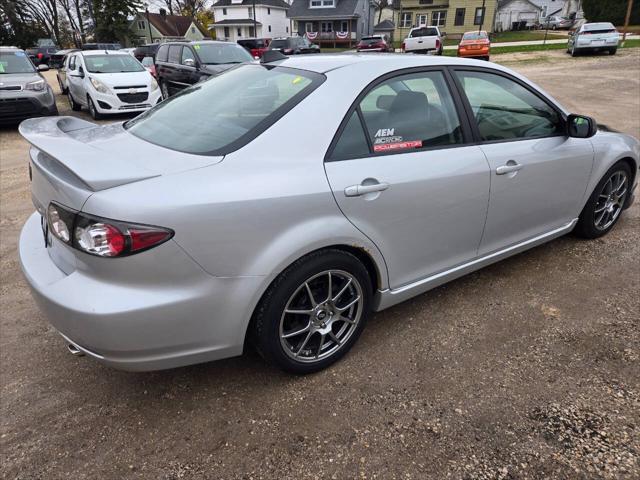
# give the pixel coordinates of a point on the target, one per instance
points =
(72, 158)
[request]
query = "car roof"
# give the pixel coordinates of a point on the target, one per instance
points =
(393, 61)
(597, 25)
(90, 53)
(10, 49)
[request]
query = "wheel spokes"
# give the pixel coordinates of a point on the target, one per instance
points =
(295, 333)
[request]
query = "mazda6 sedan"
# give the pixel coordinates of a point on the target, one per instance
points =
(280, 204)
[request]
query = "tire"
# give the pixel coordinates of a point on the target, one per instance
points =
(608, 199)
(62, 89)
(573, 51)
(164, 90)
(612, 51)
(92, 109)
(313, 329)
(75, 106)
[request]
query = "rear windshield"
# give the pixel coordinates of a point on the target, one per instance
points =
(370, 40)
(220, 53)
(15, 62)
(112, 64)
(424, 32)
(475, 36)
(599, 28)
(279, 43)
(225, 112)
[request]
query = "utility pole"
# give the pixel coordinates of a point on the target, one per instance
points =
(626, 20)
(255, 22)
(482, 20)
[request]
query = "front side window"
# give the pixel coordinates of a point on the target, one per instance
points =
(505, 110)
(163, 53)
(175, 53)
(439, 19)
(240, 105)
(405, 21)
(401, 115)
(15, 62)
(112, 64)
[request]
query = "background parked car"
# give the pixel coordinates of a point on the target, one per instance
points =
(57, 59)
(593, 37)
(555, 22)
(375, 43)
(255, 46)
(182, 64)
(149, 50)
(475, 45)
(41, 55)
(424, 40)
(293, 45)
(24, 92)
(101, 46)
(108, 83)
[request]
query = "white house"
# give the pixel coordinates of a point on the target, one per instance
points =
(234, 19)
(510, 11)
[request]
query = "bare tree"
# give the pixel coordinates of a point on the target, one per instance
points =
(380, 5)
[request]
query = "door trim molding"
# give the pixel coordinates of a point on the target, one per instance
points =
(389, 297)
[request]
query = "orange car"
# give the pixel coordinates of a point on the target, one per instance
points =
(475, 45)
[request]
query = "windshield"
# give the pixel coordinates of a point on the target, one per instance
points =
(219, 54)
(15, 62)
(474, 36)
(225, 112)
(112, 64)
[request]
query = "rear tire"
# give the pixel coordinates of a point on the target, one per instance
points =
(164, 90)
(75, 106)
(606, 203)
(62, 89)
(302, 328)
(612, 51)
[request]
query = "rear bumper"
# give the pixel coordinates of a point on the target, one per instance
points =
(151, 311)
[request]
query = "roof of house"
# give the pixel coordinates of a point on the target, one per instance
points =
(236, 21)
(266, 3)
(504, 3)
(343, 9)
(172, 25)
(385, 25)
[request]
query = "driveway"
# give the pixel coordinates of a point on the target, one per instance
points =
(527, 369)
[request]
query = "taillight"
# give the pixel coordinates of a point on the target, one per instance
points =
(103, 237)
(437, 43)
(288, 51)
(402, 47)
(40, 55)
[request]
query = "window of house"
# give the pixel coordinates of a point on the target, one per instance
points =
(268, 11)
(426, 2)
(226, 32)
(141, 25)
(478, 18)
(287, 29)
(328, 3)
(308, 27)
(250, 12)
(344, 26)
(252, 32)
(506, 110)
(322, 3)
(459, 20)
(405, 21)
(193, 29)
(421, 19)
(402, 114)
(439, 18)
(269, 27)
(224, 11)
(326, 27)
(315, 4)
(239, 31)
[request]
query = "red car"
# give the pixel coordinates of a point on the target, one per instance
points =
(376, 43)
(256, 46)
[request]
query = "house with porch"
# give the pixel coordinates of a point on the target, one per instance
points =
(454, 17)
(513, 12)
(160, 27)
(236, 19)
(332, 23)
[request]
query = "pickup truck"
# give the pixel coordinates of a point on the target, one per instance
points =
(424, 40)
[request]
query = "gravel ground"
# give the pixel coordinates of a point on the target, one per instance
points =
(528, 369)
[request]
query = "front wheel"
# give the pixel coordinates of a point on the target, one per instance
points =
(313, 312)
(93, 110)
(164, 90)
(606, 203)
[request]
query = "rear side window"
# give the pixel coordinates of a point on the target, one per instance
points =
(352, 142)
(240, 105)
(174, 53)
(187, 54)
(505, 110)
(163, 53)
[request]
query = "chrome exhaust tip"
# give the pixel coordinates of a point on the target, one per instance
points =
(75, 351)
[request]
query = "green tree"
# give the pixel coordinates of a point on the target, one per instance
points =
(612, 11)
(112, 19)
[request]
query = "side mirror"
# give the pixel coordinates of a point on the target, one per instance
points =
(579, 126)
(43, 67)
(81, 71)
(189, 62)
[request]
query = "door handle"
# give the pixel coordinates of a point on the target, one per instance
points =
(511, 166)
(358, 190)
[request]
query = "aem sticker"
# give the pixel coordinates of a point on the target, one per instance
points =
(387, 147)
(196, 46)
(296, 80)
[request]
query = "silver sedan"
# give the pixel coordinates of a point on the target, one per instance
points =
(280, 204)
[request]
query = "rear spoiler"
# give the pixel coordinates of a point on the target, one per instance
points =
(96, 168)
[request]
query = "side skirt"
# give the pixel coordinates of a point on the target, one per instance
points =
(389, 297)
